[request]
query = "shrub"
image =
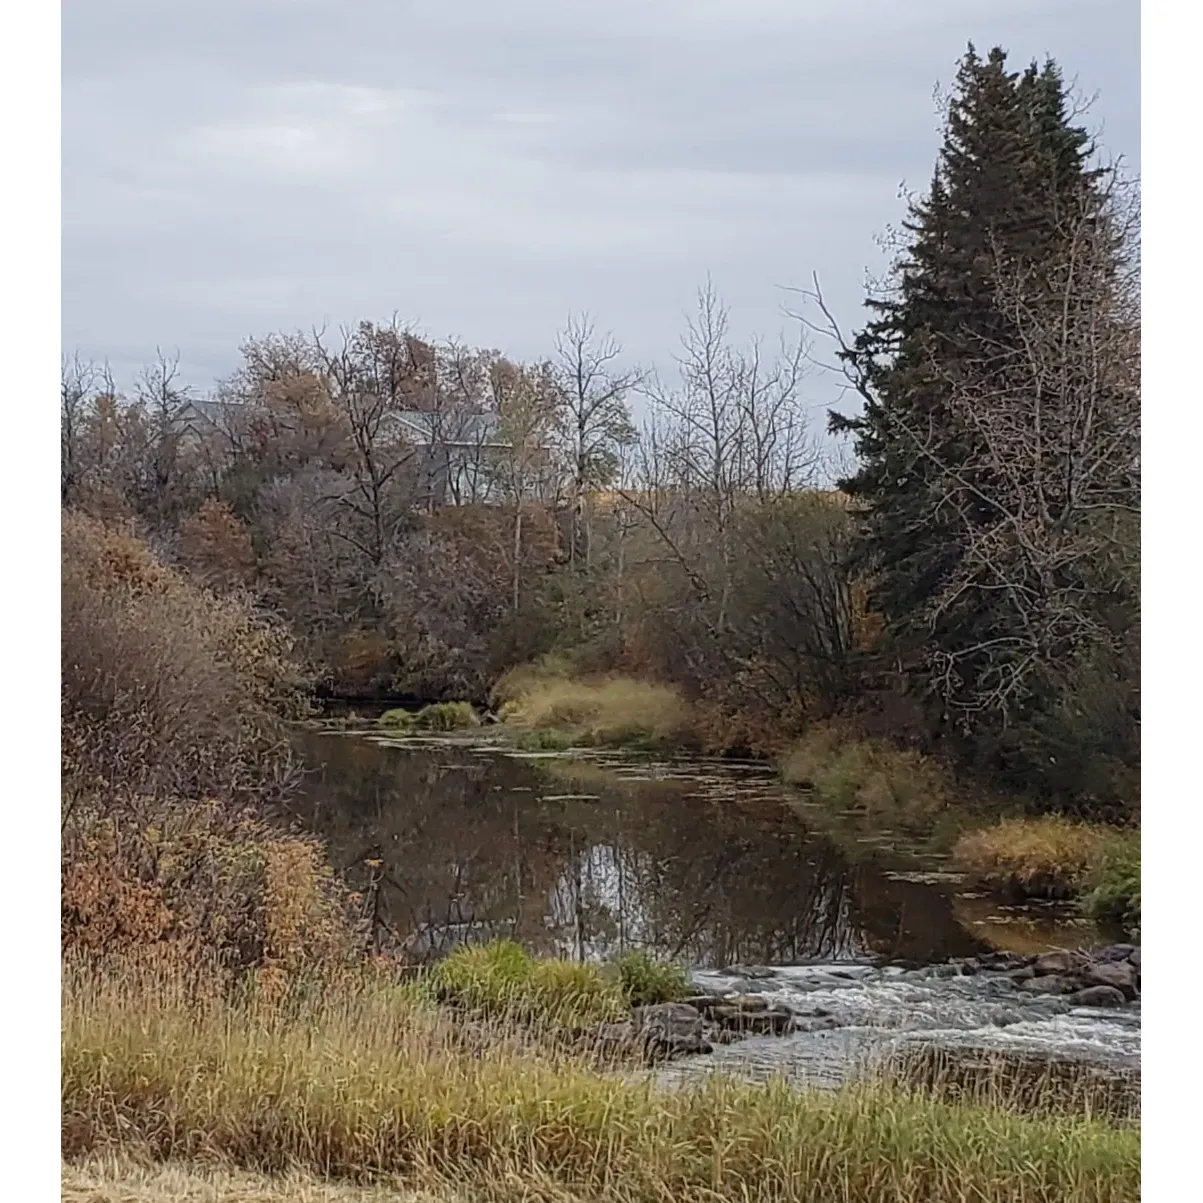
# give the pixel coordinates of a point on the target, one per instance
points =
(185, 880)
(646, 981)
(166, 687)
(1113, 885)
(871, 774)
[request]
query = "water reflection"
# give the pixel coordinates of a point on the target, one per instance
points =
(708, 865)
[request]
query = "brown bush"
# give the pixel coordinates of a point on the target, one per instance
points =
(189, 882)
(166, 688)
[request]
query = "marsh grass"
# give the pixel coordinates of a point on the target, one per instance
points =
(439, 716)
(361, 1080)
(1052, 857)
(870, 775)
(556, 713)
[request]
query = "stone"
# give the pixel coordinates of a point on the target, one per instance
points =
(672, 1018)
(1050, 983)
(748, 1002)
(1112, 952)
(1004, 960)
(1020, 976)
(1134, 958)
(703, 1002)
(1098, 996)
(1120, 974)
(669, 1030)
(614, 1038)
(1060, 962)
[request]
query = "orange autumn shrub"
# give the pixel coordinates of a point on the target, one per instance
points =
(195, 880)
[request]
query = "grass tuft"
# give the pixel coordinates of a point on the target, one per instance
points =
(503, 980)
(611, 713)
(645, 981)
(439, 716)
(868, 774)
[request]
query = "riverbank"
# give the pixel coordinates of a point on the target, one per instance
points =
(356, 1077)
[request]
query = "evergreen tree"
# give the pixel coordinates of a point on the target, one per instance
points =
(1011, 173)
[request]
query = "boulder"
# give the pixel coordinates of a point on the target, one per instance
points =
(1061, 961)
(1134, 958)
(1020, 976)
(704, 1002)
(1120, 974)
(669, 1030)
(1050, 983)
(1098, 996)
(1113, 952)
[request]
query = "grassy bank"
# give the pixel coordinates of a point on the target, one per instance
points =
(359, 1078)
(1055, 858)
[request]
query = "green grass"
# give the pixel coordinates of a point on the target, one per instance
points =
(503, 979)
(363, 1080)
(440, 716)
(644, 980)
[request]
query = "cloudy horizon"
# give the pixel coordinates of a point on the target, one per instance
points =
(483, 170)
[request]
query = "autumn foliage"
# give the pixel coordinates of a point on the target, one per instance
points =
(173, 744)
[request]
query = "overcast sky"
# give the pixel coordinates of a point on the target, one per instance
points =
(482, 167)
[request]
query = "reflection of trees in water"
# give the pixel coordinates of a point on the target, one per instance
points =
(476, 846)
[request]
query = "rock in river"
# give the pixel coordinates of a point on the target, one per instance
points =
(1119, 974)
(669, 1030)
(1097, 996)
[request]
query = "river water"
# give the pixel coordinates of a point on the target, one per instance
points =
(842, 918)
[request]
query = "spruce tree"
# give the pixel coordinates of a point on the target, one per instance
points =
(1010, 169)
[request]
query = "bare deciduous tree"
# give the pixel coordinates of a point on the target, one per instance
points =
(596, 420)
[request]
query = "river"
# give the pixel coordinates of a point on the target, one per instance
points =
(711, 863)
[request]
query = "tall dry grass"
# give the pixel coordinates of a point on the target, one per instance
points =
(360, 1079)
(868, 774)
(605, 712)
(1047, 857)
(117, 1179)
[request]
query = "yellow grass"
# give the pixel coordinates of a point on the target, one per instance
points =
(359, 1079)
(870, 775)
(1047, 857)
(114, 1179)
(611, 712)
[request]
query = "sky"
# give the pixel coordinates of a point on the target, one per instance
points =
(484, 168)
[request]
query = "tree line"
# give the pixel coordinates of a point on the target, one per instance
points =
(425, 515)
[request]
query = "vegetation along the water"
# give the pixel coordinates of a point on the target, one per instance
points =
(564, 554)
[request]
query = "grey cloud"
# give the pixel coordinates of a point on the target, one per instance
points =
(237, 166)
